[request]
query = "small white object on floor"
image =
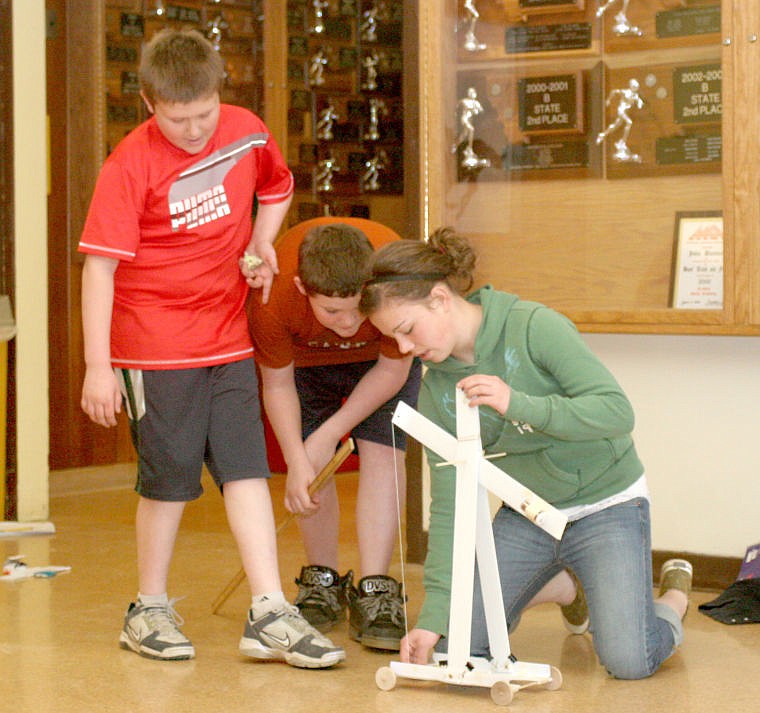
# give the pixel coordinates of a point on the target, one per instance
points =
(15, 568)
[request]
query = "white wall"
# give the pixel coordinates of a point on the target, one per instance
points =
(697, 403)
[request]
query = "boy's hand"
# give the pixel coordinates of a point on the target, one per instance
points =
(259, 266)
(101, 397)
(297, 498)
(257, 274)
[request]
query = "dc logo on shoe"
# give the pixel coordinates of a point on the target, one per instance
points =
(324, 579)
(378, 586)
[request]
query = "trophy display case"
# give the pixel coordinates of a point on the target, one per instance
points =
(344, 107)
(233, 26)
(595, 152)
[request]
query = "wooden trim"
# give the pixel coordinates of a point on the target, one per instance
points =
(710, 572)
(275, 71)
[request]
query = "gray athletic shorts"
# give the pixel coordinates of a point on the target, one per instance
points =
(188, 417)
(322, 390)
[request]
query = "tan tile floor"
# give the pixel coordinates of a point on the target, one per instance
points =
(59, 651)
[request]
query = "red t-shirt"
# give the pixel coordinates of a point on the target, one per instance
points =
(178, 223)
(285, 329)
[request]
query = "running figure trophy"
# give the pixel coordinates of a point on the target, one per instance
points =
(370, 180)
(325, 123)
(471, 43)
(368, 26)
(622, 27)
(216, 30)
(627, 99)
(377, 107)
(370, 63)
(317, 66)
(325, 170)
(468, 108)
(319, 6)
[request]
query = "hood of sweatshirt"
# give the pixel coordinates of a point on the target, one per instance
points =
(496, 306)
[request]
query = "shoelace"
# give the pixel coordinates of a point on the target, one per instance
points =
(383, 605)
(166, 619)
(317, 594)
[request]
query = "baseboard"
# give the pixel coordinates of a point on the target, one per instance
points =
(711, 573)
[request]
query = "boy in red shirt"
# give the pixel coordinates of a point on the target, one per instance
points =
(326, 371)
(163, 306)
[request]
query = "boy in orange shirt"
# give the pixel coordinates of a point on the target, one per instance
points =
(326, 371)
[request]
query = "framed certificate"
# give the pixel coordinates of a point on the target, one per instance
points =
(698, 261)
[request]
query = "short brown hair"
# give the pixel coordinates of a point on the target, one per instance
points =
(333, 260)
(180, 66)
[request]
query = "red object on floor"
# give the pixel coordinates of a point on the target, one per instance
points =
(277, 462)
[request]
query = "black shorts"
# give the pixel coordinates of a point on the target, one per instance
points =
(322, 390)
(209, 415)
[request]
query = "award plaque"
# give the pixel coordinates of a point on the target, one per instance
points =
(550, 6)
(308, 210)
(689, 149)
(348, 57)
(121, 114)
(298, 46)
(548, 38)
(300, 99)
(296, 70)
(551, 104)
(698, 261)
(356, 161)
(660, 24)
(544, 156)
(541, 127)
(132, 25)
(130, 83)
(180, 13)
(296, 15)
(348, 8)
(116, 53)
(676, 128)
(296, 124)
(358, 210)
(688, 21)
(307, 153)
(697, 94)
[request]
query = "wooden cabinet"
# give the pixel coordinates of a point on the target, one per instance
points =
(233, 26)
(558, 212)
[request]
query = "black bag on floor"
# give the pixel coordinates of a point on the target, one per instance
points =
(739, 604)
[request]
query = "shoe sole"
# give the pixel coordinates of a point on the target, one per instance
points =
(183, 655)
(256, 650)
(374, 642)
(576, 629)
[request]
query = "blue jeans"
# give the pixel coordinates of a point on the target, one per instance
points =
(610, 552)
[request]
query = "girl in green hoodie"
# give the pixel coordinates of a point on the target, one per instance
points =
(557, 421)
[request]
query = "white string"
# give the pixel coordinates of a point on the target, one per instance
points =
(400, 530)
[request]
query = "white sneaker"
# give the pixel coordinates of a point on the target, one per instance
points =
(285, 635)
(153, 632)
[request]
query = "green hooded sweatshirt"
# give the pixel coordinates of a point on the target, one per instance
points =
(566, 434)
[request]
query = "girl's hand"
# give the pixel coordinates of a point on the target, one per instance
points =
(486, 390)
(417, 646)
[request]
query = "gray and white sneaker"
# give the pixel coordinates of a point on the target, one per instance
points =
(285, 635)
(153, 631)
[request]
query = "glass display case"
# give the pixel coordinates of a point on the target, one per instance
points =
(596, 153)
